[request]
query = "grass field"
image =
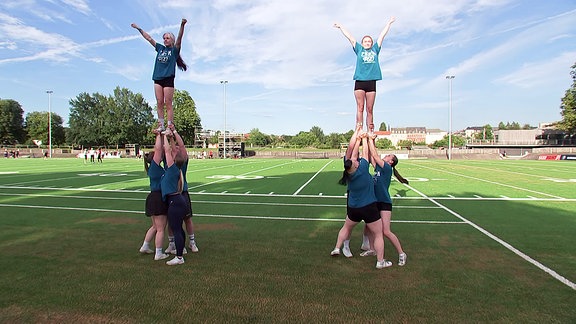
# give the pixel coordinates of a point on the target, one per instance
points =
(487, 241)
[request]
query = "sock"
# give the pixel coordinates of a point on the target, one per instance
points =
(158, 251)
(365, 240)
(170, 122)
(191, 237)
(161, 122)
(171, 239)
(146, 245)
(347, 244)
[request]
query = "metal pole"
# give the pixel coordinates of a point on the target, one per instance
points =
(224, 82)
(49, 92)
(450, 78)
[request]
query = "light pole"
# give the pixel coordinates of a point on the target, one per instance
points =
(450, 78)
(49, 92)
(224, 83)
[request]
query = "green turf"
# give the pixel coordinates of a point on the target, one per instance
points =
(487, 241)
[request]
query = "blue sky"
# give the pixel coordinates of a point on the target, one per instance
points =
(289, 69)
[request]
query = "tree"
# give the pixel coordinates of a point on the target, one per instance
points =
(457, 141)
(115, 120)
(487, 133)
(186, 119)
(384, 143)
(382, 127)
(303, 139)
(318, 135)
(568, 107)
(257, 138)
(11, 122)
(37, 128)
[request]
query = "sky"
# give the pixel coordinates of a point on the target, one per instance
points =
(288, 69)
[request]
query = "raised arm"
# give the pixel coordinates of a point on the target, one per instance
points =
(180, 142)
(347, 34)
(180, 34)
(385, 31)
(168, 152)
(158, 149)
(365, 149)
(144, 34)
(353, 142)
(375, 157)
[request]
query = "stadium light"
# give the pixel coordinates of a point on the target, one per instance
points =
(224, 83)
(450, 78)
(49, 92)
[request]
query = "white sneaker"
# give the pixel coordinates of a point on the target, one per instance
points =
(346, 251)
(171, 249)
(193, 246)
(167, 132)
(368, 253)
(383, 264)
(335, 252)
(175, 261)
(162, 256)
(402, 259)
(146, 250)
(365, 247)
(159, 130)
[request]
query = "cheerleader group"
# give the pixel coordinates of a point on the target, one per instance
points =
(168, 201)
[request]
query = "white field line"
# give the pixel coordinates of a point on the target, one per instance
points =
(491, 182)
(202, 192)
(201, 201)
(213, 215)
(544, 268)
(312, 178)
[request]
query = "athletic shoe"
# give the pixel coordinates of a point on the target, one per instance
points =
(383, 264)
(402, 259)
(346, 251)
(365, 247)
(193, 246)
(171, 249)
(368, 253)
(175, 261)
(158, 130)
(144, 250)
(167, 132)
(160, 256)
(335, 252)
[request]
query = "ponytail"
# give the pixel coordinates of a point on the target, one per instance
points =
(181, 64)
(345, 175)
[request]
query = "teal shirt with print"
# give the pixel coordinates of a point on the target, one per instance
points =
(382, 178)
(165, 66)
(367, 64)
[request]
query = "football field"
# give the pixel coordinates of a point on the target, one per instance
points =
(487, 241)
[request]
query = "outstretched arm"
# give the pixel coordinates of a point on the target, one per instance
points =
(385, 31)
(180, 142)
(168, 152)
(352, 142)
(365, 148)
(158, 149)
(144, 34)
(376, 159)
(347, 34)
(180, 34)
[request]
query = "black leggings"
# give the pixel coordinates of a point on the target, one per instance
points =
(177, 209)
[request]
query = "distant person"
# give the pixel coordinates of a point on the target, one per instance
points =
(167, 58)
(99, 155)
(85, 156)
(367, 72)
(361, 202)
(92, 153)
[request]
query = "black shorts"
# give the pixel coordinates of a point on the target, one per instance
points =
(368, 213)
(384, 206)
(154, 204)
(186, 196)
(166, 82)
(367, 86)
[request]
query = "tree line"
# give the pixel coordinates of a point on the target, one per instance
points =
(125, 117)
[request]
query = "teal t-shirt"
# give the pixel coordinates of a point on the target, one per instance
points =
(361, 186)
(170, 181)
(155, 173)
(367, 64)
(165, 66)
(382, 178)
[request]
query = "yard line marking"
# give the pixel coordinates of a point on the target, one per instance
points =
(312, 178)
(492, 182)
(220, 180)
(215, 215)
(542, 267)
